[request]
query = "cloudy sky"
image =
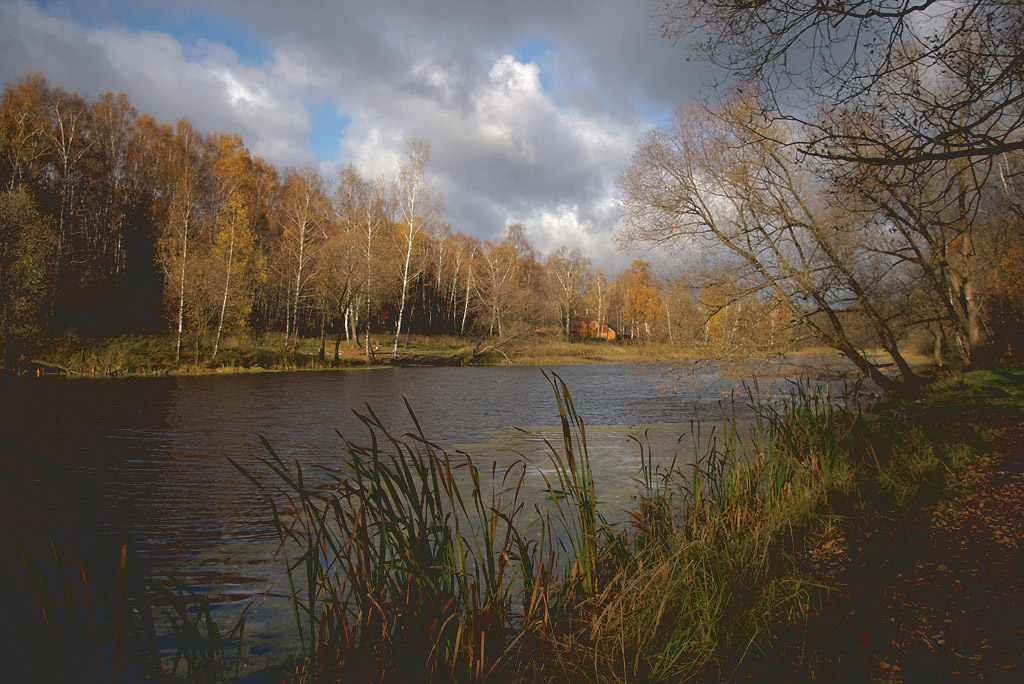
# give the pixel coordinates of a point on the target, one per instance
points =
(531, 107)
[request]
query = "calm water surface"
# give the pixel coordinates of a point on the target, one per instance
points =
(152, 452)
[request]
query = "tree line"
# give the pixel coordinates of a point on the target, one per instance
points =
(111, 222)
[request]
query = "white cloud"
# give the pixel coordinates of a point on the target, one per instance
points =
(213, 88)
(503, 147)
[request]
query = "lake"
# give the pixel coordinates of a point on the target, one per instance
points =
(151, 453)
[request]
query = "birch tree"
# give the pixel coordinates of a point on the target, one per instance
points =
(302, 218)
(116, 143)
(69, 140)
(416, 208)
(365, 204)
(234, 255)
(567, 272)
(183, 175)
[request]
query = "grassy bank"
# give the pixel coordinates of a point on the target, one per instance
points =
(156, 354)
(414, 564)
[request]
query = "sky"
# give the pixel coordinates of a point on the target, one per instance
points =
(531, 108)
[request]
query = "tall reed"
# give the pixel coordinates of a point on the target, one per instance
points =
(402, 565)
(708, 566)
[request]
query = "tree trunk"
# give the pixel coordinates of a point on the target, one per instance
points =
(465, 309)
(937, 332)
(181, 294)
(224, 300)
(405, 289)
(298, 285)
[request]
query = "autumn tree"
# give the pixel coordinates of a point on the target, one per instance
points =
(28, 247)
(682, 317)
(448, 272)
(913, 107)
(69, 139)
(509, 286)
(24, 122)
(498, 278)
(184, 177)
(641, 301)
(235, 261)
(366, 207)
(415, 202)
(468, 251)
(567, 272)
(115, 188)
(595, 299)
(302, 219)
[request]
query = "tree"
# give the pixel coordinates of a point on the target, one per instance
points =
(115, 144)
(567, 273)
(468, 251)
(367, 208)
(23, 132)
(914, 107)
(498, 283)
(727, 180)
(183, 176)
(69, 138)
(416, 207)
(302, 218)
(641, 302)
(236, 262)
(682, 319)
(596, 299)
(943, 76)
(28, 246)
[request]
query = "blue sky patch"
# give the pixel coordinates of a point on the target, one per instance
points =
(244, 42)
(329, 127)
(187, 27)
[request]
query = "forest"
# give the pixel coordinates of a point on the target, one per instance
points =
(113, 222)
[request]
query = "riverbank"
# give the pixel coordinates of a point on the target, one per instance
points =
(930, 590)
(148, 355)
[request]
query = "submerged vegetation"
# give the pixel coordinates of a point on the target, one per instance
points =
(409, 562)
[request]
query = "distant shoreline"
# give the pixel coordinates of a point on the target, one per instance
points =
(154, 356)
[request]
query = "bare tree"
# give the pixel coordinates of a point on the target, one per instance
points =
(722, 178)
(498, 283)
(916, 104)
(944, 75)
